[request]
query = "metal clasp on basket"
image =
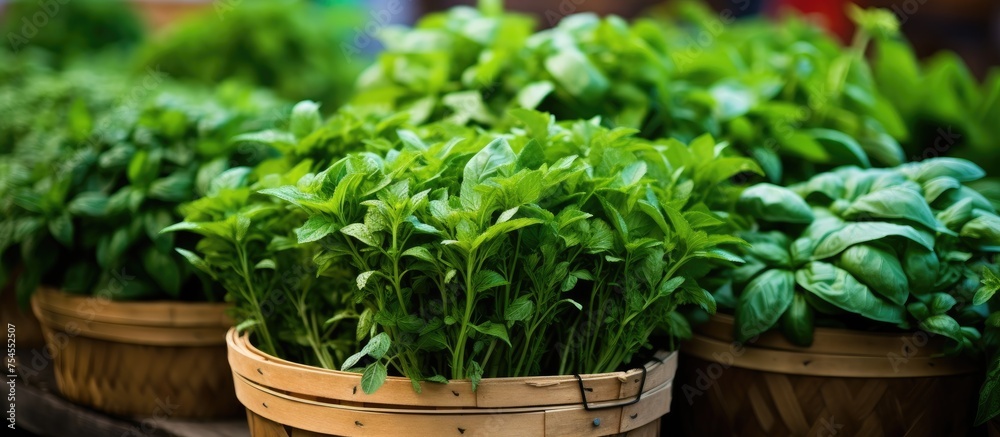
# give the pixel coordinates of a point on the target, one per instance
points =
(586, 404)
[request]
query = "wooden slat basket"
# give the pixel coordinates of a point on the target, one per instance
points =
(289, 399)
(159, 359)
(847, 383)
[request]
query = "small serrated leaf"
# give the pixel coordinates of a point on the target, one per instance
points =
(373, 377)
(420, 252)
(437, 379)
(265, 264)
(507, 215)
(362, 279)
(378, 346)
(521, 309)
(494, 330)
(475, 375)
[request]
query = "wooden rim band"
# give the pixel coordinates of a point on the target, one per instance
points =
(342, 419)
(889, 365)
(145, 323)
(833, 341)
(504, 393)
(154, 313)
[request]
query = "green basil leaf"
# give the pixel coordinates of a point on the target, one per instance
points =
(839, 288)
(984, 229)
(732, 99)
(90, 204)
(577, 75)
(934, 188)
(991, 285)
(163, 269)
(315, 228)
(941, 303)
(960, 169)
(957, 215)
(475, 375)
(882, 147)
(520, 309)
(879, 269)
(488, 162)
(378, 346)
(777, 204)
(841, 147)
(196, 261)
(797, 323)
(534, 94)
(762, 303)
(373, 377)
(828, 185)
(943, 325)
(989, 394)
(305, 118)
(805, 146)
(174, 188)
(494, 330)
(863, 232)
(361, 232)
(894, 203)
(61, 228)
(921, 267)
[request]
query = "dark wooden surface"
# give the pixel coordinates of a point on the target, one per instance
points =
(42, 411)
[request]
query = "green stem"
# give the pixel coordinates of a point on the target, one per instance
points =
(396, 279)
(489, 352)
(569, 346)
(525, 352)
(265, 334)
(458, 360)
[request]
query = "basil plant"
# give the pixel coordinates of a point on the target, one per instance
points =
(787, 94)
(902, 247)
(905, 248)
(248, 240)
(551, 248)
(88, 184)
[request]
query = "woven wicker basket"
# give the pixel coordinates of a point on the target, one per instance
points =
(284, 398)
(160, 359)
(847, 383)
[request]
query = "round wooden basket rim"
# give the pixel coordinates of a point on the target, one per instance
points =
(145, 313)
(172, 324)
(297, 379)
(827, 340)
(892, 363)
(377, 408)
(340, 419)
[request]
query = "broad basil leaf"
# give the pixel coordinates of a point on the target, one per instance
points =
(878, 268)
(839, 288)
(762, 302)
(855, 233)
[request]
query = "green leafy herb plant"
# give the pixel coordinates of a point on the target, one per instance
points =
(550, 249)
(91, 179)
(891, 249)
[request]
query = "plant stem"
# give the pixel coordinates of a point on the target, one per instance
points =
(252, 297)
(458, 360)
